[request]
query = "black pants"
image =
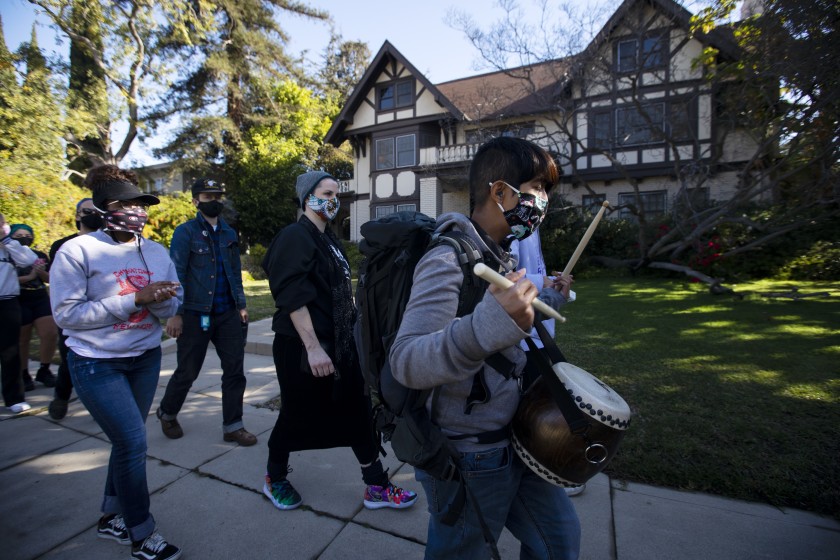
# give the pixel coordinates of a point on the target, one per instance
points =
(63, 383)
(313, 414)
(10, 375)
(225, 332)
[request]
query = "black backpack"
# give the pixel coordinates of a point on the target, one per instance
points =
(392, 246)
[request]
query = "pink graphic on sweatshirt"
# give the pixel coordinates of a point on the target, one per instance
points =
(132, 280)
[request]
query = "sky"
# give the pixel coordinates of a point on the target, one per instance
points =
(441, 52)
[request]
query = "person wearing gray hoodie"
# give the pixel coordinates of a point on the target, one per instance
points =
(509, 179)
(110, 290)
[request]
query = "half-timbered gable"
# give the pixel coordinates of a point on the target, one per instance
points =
(628, 116)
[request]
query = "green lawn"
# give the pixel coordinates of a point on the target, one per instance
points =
(734, 397)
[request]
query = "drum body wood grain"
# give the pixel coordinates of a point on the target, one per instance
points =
(543, 440)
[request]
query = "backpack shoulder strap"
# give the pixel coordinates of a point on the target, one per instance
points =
(469, 255)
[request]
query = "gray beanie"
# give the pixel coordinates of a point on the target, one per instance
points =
(306, 183)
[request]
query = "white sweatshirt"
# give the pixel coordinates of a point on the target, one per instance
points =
(12, 255)
(92, 284)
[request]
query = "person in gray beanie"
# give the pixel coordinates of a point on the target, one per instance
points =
(323, 402)
(306, 183)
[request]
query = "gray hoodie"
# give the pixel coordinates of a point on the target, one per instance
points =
(92, 286)
(433, 347)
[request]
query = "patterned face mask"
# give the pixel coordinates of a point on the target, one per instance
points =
(132, 220)
(526, 216)
(326, 208)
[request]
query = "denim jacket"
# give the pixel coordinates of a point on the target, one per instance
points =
(195, 261)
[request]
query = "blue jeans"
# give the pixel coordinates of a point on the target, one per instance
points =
(118, 393)
(509, 494)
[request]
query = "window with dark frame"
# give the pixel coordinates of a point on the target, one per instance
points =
(635, 127)
(680, 121)
(384, 154)
(593, 201)
(654, 203)
(383, 210)
(632, 55)
(405, 151)
(601, 129)
(406, 208)
(395, 95)
(400, 151)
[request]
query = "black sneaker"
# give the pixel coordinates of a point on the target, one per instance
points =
(45, 376)
(28, 384)
(154, 547)
(58, 408)
(113, 528)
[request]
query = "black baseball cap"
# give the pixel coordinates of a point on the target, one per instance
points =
(121, 190)
(207, 186)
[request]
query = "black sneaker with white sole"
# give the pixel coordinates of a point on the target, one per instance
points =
(154, 547)
(113, 528)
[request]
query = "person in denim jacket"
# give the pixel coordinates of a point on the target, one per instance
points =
(205, 251)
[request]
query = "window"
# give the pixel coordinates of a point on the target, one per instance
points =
(395, 95)
(405, 151)
(385, 154)
(405, 94)
(406, 208)
(593, 201)
(634, 126)
(627, 55)
(652, 201)
(653, 52)
(160, 184)
(396, 152)
(382, 211)
(600, 130)
(680, 121)
(631, 56)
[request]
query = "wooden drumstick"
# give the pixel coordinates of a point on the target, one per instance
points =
(494, 277)
(586, 236)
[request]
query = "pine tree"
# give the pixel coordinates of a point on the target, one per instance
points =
(87, 89)
(239, 63)
(30, 114)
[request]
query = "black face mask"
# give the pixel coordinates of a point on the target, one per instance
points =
(93, 221)
(25, 241)
(211, 209)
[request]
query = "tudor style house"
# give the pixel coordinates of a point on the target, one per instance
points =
(632, 119)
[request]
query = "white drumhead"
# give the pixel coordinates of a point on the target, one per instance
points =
(593, 396)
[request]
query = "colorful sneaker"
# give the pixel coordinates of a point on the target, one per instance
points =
(113, 528)
(391, 496)
(154, 547)
(281, 493)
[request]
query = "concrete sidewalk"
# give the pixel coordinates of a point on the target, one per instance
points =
(207, 494)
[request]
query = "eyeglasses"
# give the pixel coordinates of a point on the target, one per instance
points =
(87, 211)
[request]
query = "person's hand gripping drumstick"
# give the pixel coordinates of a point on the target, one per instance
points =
(526, 292)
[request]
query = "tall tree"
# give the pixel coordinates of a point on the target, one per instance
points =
(227, 88)
(30, 113)
(132, 39)
(87, 88)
